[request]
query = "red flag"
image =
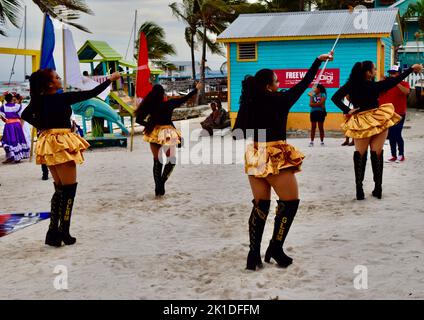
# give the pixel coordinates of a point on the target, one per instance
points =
(143, 85)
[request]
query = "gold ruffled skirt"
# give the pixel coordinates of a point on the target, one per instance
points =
(269, 158)
(57, 146)
(164, 135)
(368, 123)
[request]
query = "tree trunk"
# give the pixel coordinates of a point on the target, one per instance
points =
(193, 61)
(202, 97)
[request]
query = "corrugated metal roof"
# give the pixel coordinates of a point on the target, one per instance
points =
(311, 23)
(92, 48)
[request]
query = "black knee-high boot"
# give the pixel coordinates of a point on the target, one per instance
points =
(66, 205)
(53, 237)
(256, 229)
(377, 169)
(360, 163)
(285, 213)
(157, 176)
(167, 170)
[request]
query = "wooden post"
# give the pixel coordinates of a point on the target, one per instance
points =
(133, 113)
(34, 130)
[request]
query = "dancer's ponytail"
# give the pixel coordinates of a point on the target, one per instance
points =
(245, 113)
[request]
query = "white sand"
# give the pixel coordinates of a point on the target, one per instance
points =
(192, 244)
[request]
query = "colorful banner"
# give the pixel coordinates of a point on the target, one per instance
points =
(11, 222)
(290, 77)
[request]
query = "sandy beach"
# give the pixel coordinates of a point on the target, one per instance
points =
(193, 243)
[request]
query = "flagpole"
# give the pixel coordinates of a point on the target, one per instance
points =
(317, 81)
(64, 58)
(34, 130)
(135, 99)
(135, 86)
(42, 37)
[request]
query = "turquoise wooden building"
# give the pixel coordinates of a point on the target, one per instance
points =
(290, 41)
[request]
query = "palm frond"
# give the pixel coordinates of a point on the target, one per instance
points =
(155, 36)
(214, 47)
(10, 11)
(65, 10)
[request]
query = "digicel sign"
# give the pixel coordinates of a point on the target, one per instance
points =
(289, 77)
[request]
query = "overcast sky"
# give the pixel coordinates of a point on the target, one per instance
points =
(112, 22)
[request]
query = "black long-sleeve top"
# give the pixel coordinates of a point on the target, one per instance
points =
(270, 109)
(55, 109)
(163, 114)
(364, 95)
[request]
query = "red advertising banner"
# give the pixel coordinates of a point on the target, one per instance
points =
(289, 77)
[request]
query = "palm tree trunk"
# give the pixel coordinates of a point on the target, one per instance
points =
(202, 98)
(193, 62)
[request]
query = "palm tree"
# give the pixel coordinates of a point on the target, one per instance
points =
(187, 11)
(63, 10)
(215, 15)
(158, 48)
(416, 10)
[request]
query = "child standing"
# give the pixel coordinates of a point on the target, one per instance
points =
(318, 113)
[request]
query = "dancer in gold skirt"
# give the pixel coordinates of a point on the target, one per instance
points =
(368, 122)
(155, 113)
(58, 146)
(270, 162)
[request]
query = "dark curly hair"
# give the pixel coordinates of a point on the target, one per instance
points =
(149, 105)
(38, 86)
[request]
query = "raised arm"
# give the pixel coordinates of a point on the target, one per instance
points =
(74, 97)
(391, 82)
(293, 94)
(175, 103)
(338, 97)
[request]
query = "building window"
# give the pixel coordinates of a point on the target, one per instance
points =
(247, 51)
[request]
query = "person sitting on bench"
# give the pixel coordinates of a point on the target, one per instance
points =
(218, 119)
